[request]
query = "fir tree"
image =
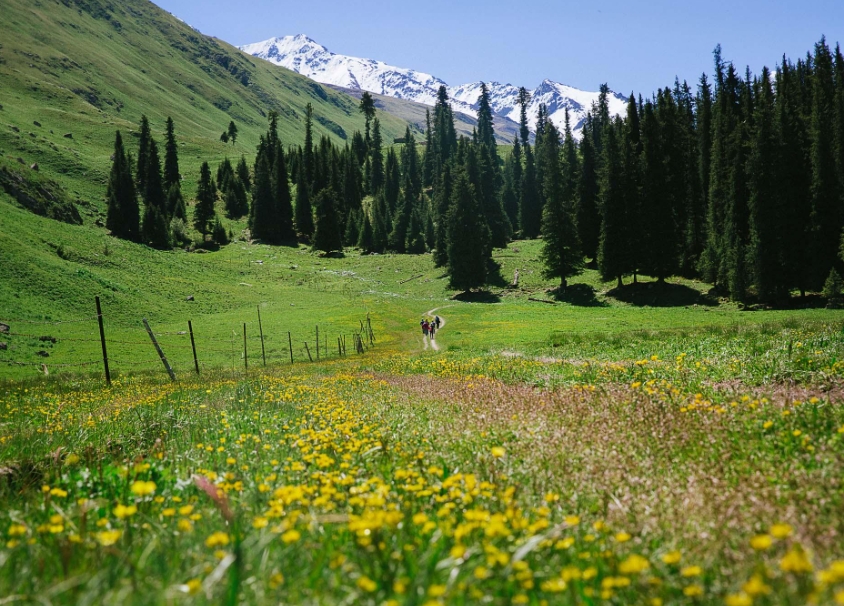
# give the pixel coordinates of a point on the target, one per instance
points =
(442, 200)
(415, 241)
(218, 232)
(381, 223)
(203, 212)
(560, 254)
(376, 175)
(155, 229)
(153, 185)
(392, 184)
(353, 223)
(530, 204)
(366, 240)
(825, 215)
(766, 209)
(512, 184)
(304, 213)
(367, 108)
(171, 158)
(122, 211)
(143, 155)
(306, 172)
(468, 238)
(613, 251)
(232, 132)
(262, 215)
(283, 228)
(588, 218)
(176, 203)
(401, 221)
(327, 236)
(242, 172)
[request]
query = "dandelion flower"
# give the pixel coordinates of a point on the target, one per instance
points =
(218, 539)
(142, 488)
(781, 531)
(291, 536)
(738, 599)
(691, 571)
(761, 542)
(498, 452)
(107, 538)
(367, 584)
(634, 564)
(125, 511)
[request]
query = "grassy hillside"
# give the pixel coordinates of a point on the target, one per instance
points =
(85, 68)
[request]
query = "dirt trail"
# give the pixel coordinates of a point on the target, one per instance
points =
(433, 342)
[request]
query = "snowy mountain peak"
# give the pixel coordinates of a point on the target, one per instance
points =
(309, 58)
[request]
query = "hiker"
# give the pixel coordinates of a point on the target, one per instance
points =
(425, 326)
(432, 328)
(437, 321)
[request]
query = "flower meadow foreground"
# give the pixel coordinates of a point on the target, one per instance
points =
(404, 486)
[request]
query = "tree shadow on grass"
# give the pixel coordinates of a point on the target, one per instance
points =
(479, 296)
(654, 294)
(493, 275)
(579, 295)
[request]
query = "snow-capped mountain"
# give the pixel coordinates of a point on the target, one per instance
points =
(309, 58)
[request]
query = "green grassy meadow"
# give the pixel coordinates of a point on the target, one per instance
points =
(655, 445)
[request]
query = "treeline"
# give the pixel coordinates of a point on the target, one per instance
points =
(145, 203)
(739, 182)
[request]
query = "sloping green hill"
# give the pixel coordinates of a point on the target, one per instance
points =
(85, 68)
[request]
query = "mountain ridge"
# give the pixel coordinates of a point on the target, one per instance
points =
(305, 56)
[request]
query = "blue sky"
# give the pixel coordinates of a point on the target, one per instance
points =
(638, 46)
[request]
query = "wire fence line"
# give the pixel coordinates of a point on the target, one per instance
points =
(191, 350)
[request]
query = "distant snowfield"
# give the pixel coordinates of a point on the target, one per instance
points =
(309, 58)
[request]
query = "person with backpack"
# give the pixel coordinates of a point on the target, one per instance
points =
(425, 327)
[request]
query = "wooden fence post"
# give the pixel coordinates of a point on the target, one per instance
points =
(193, 347)
(309, 351)
(160, 352)
(290, 345)
(261, 330)
(245, 355)
(102, 341)
(317, 343)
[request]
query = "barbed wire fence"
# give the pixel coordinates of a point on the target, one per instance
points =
(178, 353)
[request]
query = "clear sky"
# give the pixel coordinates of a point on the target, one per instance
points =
(632, 45)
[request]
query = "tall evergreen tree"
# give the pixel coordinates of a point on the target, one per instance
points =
(367, 108)
(143, 156)
(376, 174)
(171, 158)
(203, 212)
(304, 214)
(231, 131)
(613, 249)
(283, 228)
(467, 237)
(242, 171)
(530, 203)
(512, 184)
(561, 253)
(262, 215)
(766, 208)
(327, 236)
(122, 215)
(826, 202)
(588, 217)
(392, 183)
(442, 201)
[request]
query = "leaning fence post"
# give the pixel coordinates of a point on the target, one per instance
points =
(309, 351)
(245, 357)
(290, 345)
(261, 330)
(160, 352)
(193, 347)
(102, 340)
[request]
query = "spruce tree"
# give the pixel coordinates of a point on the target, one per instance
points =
(560, 254)
(588, 218)
(376, 175)
(327, 237)
(171, 157)
(232, 132)
(176, 203)
(366, 242)
(218, 232)
(442, 201)
(401, 221)
(468, 238)
(283, 228)
(351, 180)
(143, 155)
(262, 215)
(512, 184)
(367, 108)
(392, 184)
(415, 242)
(826, 213)
(203, 212)
(530, 204)
(381, 223)
(156, 232)
(352, 231)
(122, 211)
(304, 217)
(766, 208)
(242, 171)
(306, 171)
(613, 247)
